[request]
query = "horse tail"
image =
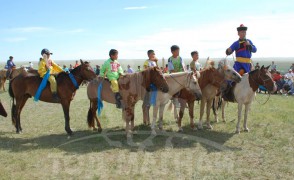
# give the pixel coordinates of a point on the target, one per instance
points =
(90, 118)
(10, 90)
(217, 106)
(213, 107)
(13, 108)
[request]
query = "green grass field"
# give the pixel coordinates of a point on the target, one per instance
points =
(44, 151)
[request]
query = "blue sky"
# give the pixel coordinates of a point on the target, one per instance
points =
(88, 29)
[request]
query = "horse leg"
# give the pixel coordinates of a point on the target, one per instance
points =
(175, 113)
(208, 107)
(191, 114)
(23, 102)
(247, 107)
(94, 108)
(153, 124)
(202, 105)
(239, 117)
(223, 110)
(181, 114)
(65, 106)
(128, 115)
(146, 115)
(215, 106)
(161, 109)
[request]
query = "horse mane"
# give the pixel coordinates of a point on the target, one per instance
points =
(209, 64)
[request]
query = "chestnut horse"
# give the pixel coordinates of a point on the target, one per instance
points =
(15, 72)
(210, 81)
(133, 88)
(245, 91)
(25, 86)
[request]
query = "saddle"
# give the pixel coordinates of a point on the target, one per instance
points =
(228, 92)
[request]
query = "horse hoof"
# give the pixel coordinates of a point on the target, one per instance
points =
(237, 132)
(180, 129)
(95, 129)
(135, 132)
(194, 129)
(246, 130)
(209, 126)
(153, 132)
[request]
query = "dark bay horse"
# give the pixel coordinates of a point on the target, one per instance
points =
(133, 88)
(245, 91)
(25, 86)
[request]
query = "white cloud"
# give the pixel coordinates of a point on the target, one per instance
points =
(79, 30)
(271, 35)
(29, 29)
(135, 8)
(15, 39)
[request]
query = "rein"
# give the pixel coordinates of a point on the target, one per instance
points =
(263, 81)
(189, 80)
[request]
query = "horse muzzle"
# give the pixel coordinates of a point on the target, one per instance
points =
(198, 96)
(163, 89)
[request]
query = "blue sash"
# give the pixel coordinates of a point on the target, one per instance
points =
(153, 95)
(99, 101)
(42, 86)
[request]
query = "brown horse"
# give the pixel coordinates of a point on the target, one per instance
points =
(210, 81)
(2, 110)
(25, 86)
(15, 72)
(133, 88)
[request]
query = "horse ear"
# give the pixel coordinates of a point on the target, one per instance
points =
(207, 58)
(267, 67)
(82, 62)
(262, 67)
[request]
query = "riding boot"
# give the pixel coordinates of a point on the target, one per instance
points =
(118, 99)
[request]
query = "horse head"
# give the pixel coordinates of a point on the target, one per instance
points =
(192, 84)
(17, 71)
(156, 78)
(265, 79)
(228, 72)
(86, 71)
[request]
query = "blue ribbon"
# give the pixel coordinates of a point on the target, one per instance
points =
(42, 86)
(73, 80)
(99, 104)
(153, 94)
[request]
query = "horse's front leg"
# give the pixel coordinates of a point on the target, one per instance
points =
(247, 107)
(191, 114)
(181, 114)
(146, 116)
(65, 106)
(153, 124)
(239, 117)
(175, 112)
(223, 110)
(202, 105)
(128, 114)
(208, 107)
(215, 107)
(161, 109)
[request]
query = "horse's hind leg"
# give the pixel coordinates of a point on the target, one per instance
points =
(23, 102)
(223, 110)
(202, 106)
(93, 109)
(181, 114)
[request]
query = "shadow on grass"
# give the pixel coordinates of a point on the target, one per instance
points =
(115, 138)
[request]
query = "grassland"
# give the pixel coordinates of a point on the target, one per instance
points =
(44, 151)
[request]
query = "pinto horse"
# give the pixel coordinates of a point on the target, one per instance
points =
(25, 86)
(133, 88)
(176, 82)
(245, 91)
(15, 72)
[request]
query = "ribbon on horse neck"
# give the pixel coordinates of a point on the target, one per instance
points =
(73, 80)
(42, 86)
(99, 101)
(153, 94)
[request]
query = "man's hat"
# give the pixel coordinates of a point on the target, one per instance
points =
(242, 28)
